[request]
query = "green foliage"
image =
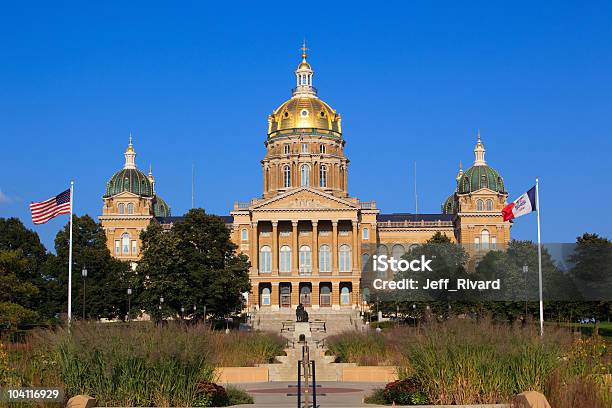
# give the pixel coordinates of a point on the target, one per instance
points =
(107, 278)
(404, 392)
(16, 314)
(238, 396)
(193, 264)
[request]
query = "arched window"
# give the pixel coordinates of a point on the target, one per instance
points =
(304, 148)
(484, 239)
(489, 205)
(345, 296)
(130, 208)
(325, 295)
(305, 176)
(285, 259)
(323, 176)
(345, 258)
(322, 149)
(121, 208)
(483, 181)
(381, 250)
(324, 259)
(125, 244)
(287, 176)
(265, 259)
(244, 234)
(287, 147)
(365, 233)
(479, 205)
(397, 251)
(265, 296)
(477, 243)
(305, 260)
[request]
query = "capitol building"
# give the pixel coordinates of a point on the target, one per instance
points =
(307, 239)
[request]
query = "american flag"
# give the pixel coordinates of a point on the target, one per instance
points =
(45, 210)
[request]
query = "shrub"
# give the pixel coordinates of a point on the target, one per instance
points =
(209, 394)
(404, 392)
(237, 396)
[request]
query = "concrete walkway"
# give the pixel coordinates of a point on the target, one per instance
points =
(337, 394)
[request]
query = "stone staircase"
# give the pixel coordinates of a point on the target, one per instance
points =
(325, 368)
(336, 321)
(322, 323)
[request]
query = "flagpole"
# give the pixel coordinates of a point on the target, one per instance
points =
(70, 259)
(540, 261)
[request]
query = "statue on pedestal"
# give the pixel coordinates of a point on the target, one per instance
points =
(301, 315)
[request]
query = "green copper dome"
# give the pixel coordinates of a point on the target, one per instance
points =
(160, 207)
(480, 176)
(128, 179)
(449, 205)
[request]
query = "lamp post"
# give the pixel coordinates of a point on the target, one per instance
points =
(84, 275)
(161, 301)
(182, 313)
(525, 270)
(129, 308)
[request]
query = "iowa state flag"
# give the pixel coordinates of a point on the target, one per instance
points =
(521, 206)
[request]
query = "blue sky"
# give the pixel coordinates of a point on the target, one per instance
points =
(413, 81)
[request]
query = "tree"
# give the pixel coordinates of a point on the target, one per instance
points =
(195, 263)
(106, 276)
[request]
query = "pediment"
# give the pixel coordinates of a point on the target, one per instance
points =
(305, 199)
(126, 194)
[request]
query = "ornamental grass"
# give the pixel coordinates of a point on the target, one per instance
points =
(137, 364)
(480, 362)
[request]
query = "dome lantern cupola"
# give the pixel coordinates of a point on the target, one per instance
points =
(479, 152)
(130, 156)
(303, 76)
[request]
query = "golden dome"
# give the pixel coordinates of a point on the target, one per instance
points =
(304, 112)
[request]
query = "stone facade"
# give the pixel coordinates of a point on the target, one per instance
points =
(307, 239)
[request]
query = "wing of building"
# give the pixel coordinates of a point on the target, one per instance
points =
(307, 239)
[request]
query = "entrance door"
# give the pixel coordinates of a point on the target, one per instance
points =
(305, 298)
(285, 295)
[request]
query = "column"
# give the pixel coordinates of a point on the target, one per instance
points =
(254, 246)
(334, 250)
(315, 294)
(295, 294)
(335, 295)
(274, 296)
(254, 295)
(355, 249)
(275, 252)
(295, 250)
(315, 248)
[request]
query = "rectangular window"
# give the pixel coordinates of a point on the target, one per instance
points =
(117, 247)
(305, 266)
(477, 243)
(304, 148)
(366, 233)
(494, 242)
(134, 248)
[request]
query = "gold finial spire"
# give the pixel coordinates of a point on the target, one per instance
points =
(304, 49)
(478, 135)
(150, 170)
(460, 173)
